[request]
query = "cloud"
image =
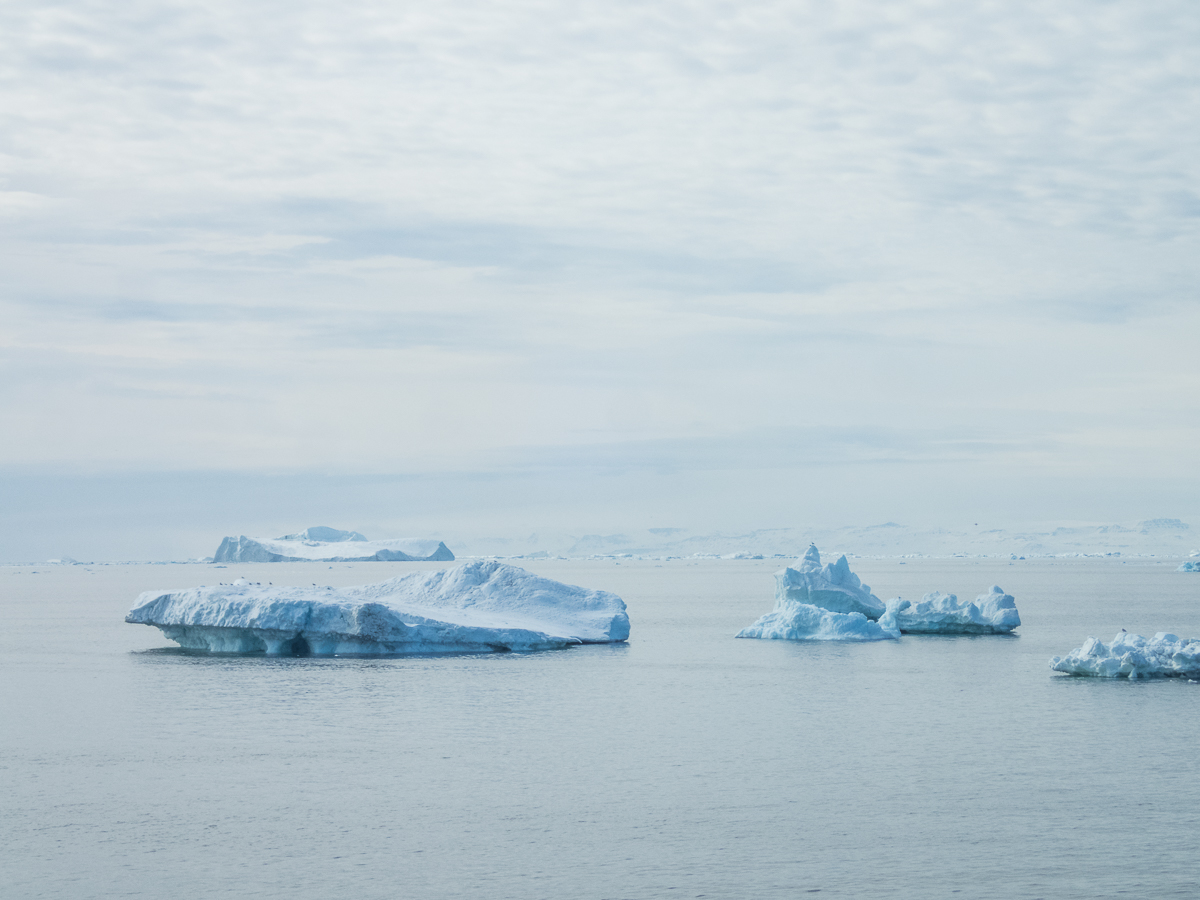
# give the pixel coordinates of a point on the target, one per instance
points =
(381, 238)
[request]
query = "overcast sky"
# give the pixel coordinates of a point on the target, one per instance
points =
(715, 262)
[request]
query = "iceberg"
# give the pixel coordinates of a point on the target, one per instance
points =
(477, 607)
(823, 603)
(992, 613)
(833, 587)
(1190, 566)
(805, 622)
(323, 544)
(324, 533)
(1133, 656)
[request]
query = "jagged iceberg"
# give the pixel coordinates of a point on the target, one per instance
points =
(1133, 656)
(992, 613)
(476, 607)
(823, 603)
(323, 544)
(833, 587)
(1190, 566)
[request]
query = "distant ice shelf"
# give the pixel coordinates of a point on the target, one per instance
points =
(477, 607)
(1133, 656)
(992, 613)
(323, 544)
(823, 603)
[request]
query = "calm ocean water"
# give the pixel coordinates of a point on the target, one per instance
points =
(683, 764)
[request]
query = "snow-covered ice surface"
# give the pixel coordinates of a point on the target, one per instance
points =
(992, 613)
(1190, 566)
(476, 607)
(1133, 656)
(297, 548)
(823, 603)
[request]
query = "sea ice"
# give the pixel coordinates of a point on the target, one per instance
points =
(322, 544)
(992, 613)
(1190, 566)
(476, 607)
(1133, 656)
(823, 603)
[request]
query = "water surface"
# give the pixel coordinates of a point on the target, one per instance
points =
(682, 764)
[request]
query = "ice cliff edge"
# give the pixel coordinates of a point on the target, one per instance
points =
(476, 607)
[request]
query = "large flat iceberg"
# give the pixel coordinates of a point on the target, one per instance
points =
(476, 607)
(323, 544)
(823, 603)
(992, 613)
(1133, 656)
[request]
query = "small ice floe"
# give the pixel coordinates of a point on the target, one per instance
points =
(823, 603)
(992, 613)
(1133, 656)
(481, 606)
(1192, 565)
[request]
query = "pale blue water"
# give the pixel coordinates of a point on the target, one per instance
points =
(684, 764)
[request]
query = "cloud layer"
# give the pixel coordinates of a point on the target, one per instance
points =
(301, 236)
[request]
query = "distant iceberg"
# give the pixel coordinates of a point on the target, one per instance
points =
(1192, 565)
(992, 613)
(1133, 656)
(324, 533)
(324, 544)
(477, 607)
(823, 603)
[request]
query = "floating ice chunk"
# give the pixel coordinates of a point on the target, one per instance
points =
(296, 548)
(992, 613)
(1133, 656)
(823, 603)
(833, 587)
(480, 606)
(1190, 566)
(791, 621)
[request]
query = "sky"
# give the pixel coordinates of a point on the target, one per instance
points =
(479, 268)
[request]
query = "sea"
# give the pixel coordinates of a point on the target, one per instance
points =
(682, 764)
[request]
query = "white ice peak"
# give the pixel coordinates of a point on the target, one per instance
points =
(833, 586)
(822, 603)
